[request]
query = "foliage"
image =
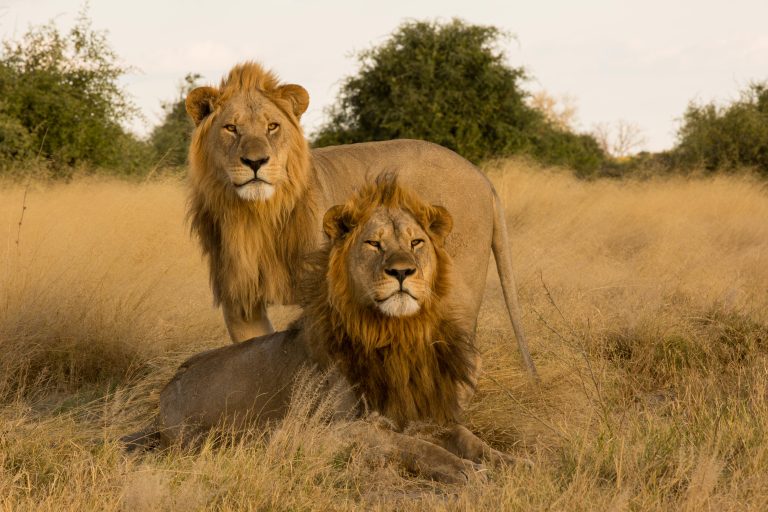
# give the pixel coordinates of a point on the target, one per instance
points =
(725, 137)
(448, 83)
(170, 139)
(581, 152)
(61, 99)
(560, 110)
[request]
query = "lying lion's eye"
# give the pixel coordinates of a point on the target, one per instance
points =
(272, 127)
(373, 243)
(230, 128)
(417, 242)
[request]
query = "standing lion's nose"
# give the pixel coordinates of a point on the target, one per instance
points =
(400, 272)
(254, 164)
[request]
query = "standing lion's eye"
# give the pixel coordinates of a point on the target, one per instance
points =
(272, 127)
(373, 243)
(416, 243)
(230, 128)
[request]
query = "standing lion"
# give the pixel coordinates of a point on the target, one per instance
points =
(258, 193)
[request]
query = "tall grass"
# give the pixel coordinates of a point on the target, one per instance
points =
(646, 304)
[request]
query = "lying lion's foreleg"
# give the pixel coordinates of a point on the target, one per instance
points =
(459, 440)
(413, 454)
(242, 326)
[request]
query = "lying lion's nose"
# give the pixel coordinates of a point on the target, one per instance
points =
(400, 272)
(254, 164)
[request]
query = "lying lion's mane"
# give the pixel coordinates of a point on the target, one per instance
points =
(407, 368)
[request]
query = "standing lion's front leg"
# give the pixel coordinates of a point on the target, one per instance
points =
(242, 326)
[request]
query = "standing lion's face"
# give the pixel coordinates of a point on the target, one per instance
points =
(249, 145)
(391, 261)
(250, 137)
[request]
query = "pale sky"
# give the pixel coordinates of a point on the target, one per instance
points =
(640, 61)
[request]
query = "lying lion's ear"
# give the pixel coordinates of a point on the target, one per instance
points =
(297, 95)
(337, 223)
(439, 223)
(200, 103)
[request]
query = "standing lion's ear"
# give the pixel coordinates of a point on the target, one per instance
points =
(337, 223)
(439, 223)
(200, 103)
(297, 95)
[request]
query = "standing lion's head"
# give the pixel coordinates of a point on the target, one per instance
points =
(249, 172)
(248, 142)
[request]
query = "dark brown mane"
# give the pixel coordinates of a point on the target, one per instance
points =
(407, 368)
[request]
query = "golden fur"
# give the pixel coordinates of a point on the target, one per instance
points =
(407, 368)
(238, 237)
(257, 198)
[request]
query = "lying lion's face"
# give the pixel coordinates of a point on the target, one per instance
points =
(391, 260)
(392, 263)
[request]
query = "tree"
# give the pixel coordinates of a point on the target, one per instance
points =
(559, 111)
(447, 83)
(61, 98)
(725, 137)
(170, 139)
(619, 139)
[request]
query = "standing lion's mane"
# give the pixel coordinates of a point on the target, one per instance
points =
(407, 368)
(246, 263)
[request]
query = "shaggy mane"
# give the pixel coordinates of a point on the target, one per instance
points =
(239, 237)
(407, 368)
(249, 76)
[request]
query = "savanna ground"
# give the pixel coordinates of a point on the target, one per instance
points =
(646, 303)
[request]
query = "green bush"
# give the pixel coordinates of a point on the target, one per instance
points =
(726, 137)
(16, 143)
(170, 139)
(581, 152)
(448, 83)
(61, 101)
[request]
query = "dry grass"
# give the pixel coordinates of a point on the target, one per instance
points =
(646, 303)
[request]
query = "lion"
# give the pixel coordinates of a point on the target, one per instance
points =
(375, 323)
(258, 194)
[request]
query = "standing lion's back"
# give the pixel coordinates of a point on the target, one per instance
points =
(439, 176)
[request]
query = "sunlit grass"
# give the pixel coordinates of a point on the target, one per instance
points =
(646, 304)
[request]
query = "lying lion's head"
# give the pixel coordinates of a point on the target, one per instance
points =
(387, 247)
(248, 142)
(375, 303)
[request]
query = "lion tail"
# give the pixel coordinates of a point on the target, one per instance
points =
(503, 257)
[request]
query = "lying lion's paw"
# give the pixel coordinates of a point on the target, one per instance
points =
(498, 458)
(475, 471)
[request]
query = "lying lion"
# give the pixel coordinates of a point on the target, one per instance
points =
(258, 195)
(375, 311)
